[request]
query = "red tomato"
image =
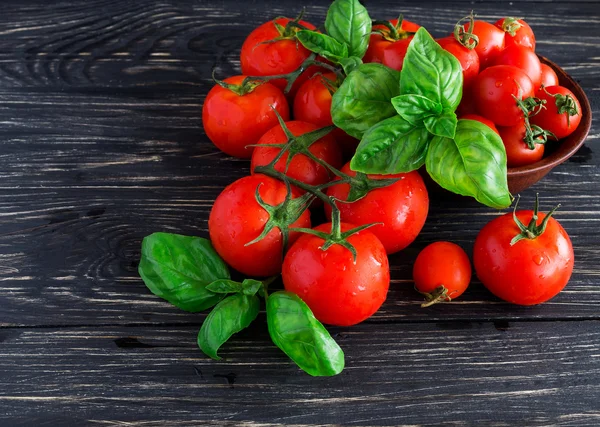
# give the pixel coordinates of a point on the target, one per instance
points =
(532, 270)
(442, 264)
(393, 55)
(493, 93)
(518, 152)
(338, 290)
(523, 58)
(491, 41)
(301, 167)
(469, 60)
(401, 208)
(232, 121)
(549, 77)
(518, 32)
(378, 42)
(263, 56)
(467, 104)
(236, 218)
(480, 119)
(561, 115)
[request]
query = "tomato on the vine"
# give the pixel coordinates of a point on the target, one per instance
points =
(523, 58)
(528, 269)
(549, 76)
(518, 32)
(401, 208)
(562, 114)
(338, 289)
(233, 121)
(518, 153)
(491, 41)
(382, 37)
(237, 218)
(468, 58)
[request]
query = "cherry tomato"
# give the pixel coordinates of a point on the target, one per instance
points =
(469, 60)
(301, 167)
(401, 208)
(483, 120)
(523, 58)
(393, 55)
(339, 290)
(494, 91)
(561, 115)
(549, 77)
(236, 218)
(378, 42)
(442, 264)
(518, 152)
(530, 271)
(491, 41)
(232, 121)
(518, 32)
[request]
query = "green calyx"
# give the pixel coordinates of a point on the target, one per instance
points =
(533, 134)
(392, 32)
(565, 104)
(511, 25)
(466, 37)
(361, 185)
(247, 86)
(289, 30)
(532, 230)
(439, 294)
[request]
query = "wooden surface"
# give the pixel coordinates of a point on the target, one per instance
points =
(101, 143)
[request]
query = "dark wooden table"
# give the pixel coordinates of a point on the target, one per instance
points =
(101, 143)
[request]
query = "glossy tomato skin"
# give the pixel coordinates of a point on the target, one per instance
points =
(480, 119)
(523, 58)
(401, 208)
(468, 58)
(549, 77)
(338, 290)
(442, 263)
(529, 272)
(493, 93)
(236, 218)
(517, 151)
(523, 36)
(301, 167)
(393, 55)
(232, 122)
(491, 41)
(378, 43)
(549, 118)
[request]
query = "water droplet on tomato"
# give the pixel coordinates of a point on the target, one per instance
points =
(542, 277)
(538, 259)
(498, 84)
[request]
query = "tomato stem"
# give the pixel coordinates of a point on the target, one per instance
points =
(511, 25)
(439, 294)
(466, 37)
(532, 230)
(565, 104)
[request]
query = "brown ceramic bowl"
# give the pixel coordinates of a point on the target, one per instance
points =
(524, 177)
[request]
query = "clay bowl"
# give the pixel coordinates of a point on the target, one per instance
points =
(523, 177)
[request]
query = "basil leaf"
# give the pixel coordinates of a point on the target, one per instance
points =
(230, 316)
(432, 72)
(391, 146)
(471, 164)
(414, 108)
(294, 329)
(349, 23)
(322, 44)
(179, 268)
(363, 99)
(350, 64)
(225, 286)
(443, 125)
(251, 286)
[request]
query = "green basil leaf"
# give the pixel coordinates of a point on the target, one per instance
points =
(179, 268)
(349, 23)
(443, 125)
(471, 164)
(251, 286)
(432, 72)
(230, 316)
(391, 146)
(350, 64)
(414, 108)
(322, 44)
(363, 99)
(225, 286)
(294, 329)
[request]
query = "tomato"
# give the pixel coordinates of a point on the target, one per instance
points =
(494, 91)
(518, 32)
(468, 58)
(549, 77)
(491, 41)
(467, 104)
(523, 58)
(301, 167)
(401, 208)
(518, 152)
(236, 218)
(393, 55)
(338, 290)
(263, 55)
(530, 271)
(480, 119)
(442, 264)
(562, 113)
(232, 121)
(378, 42)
